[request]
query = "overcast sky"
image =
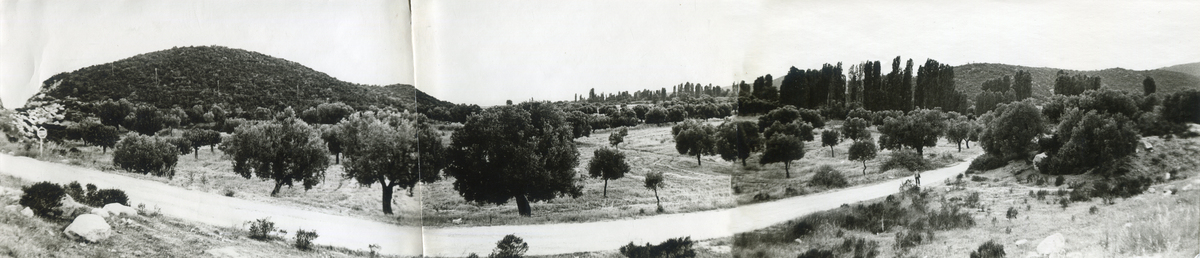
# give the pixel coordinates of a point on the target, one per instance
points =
(485, 52)
(360, 41)
(488, 51)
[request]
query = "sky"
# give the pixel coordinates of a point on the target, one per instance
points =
(486, 52)
(360, 41)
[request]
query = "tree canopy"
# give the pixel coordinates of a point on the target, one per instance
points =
(286, 150)
(391, 149)
(918, 129)
(523, 152)
(737, 140)
(607, 164)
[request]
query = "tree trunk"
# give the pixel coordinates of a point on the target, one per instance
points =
(278, 184)
(968, 144)
(960, 146)
(605, 188)
(387, 198)
(787, 173)
(698, 160)
(197, 152)
(920, 151)
(743, 162)
(656, 199)
(337, 158)
(211, 148)
(104, 149)
(523, 206)
(830, 151)
(864, 167)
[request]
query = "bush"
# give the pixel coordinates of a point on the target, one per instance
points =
(1093, 210)
(261, 229)
(43, 198)
(304, 239)
(801, 229)
(828, 177)
(1011, 213)
(816, 253)
(861, 248)
(510, 247)
(978, 178)
(76, 192)
(987, 162)
(1058, 181)
(906, 159)
(146, 154)
(106, 196)
(990, 249)
(672, 248)
(906, 240)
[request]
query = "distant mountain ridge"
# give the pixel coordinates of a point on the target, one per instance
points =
(1192, 68)
(205, 75)
(969, 78)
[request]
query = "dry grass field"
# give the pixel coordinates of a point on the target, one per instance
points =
(1162, 222)
(647, 148)
(769, 179)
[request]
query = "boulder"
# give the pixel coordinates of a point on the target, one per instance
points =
(102, 212)
(1037, 159)
(1053, 244)
(71, 209)
(90, 227)
(27, 212)
(118, 209)
(1022, 242)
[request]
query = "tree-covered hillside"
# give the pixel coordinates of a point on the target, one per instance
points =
(187, 76)
(970, 77)
(1191, 68)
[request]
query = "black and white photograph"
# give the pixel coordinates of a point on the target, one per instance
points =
(589, 128)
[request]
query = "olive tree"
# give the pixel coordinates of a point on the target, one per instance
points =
(1009, 135)
(654, 181)
(694, 139)
(607, 164)
(618, 137)
(856, 129)
(391, 149)
(286, 150)
(830, 138)
(783, 148)
(524, 152)
(737, 140)
(863, 151)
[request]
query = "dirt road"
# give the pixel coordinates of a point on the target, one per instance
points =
(610, 235)
(224, 211)
(543, 239)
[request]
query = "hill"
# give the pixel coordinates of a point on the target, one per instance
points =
(1192, 68)
(187, 76)
(970, 77)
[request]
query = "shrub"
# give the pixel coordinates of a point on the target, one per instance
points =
(1093, 210)
(146, 154)
(861, 248)
(1041, 194)
(905, 159)
(816, 253)
(800, 229)
(510, 247)
(304, 239)
(987, 162)
(76, 192)
(949, 218)
(106, 196)
(989, 249)
(1058, 181)
(1011, 213)
(828, 177)
(43, 198)
(979, 178)
(261, 229)
(672, 248)
(906, 240)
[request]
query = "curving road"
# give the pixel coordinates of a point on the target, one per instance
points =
(457, 242)
(224, 211)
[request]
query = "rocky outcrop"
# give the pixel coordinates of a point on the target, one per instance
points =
(1053, 244)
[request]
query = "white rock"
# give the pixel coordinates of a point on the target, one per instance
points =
(1127, 225)
(102, 212)
(1022, 241)
(457, 221)
(118, 209)
(90, 227)
(27, 212)
(1053, 244)
(13, 207)
(1150, 190)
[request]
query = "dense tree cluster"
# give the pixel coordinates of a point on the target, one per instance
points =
(918, 129)
(1065, 84)
(1011, 129)
(681, 91)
